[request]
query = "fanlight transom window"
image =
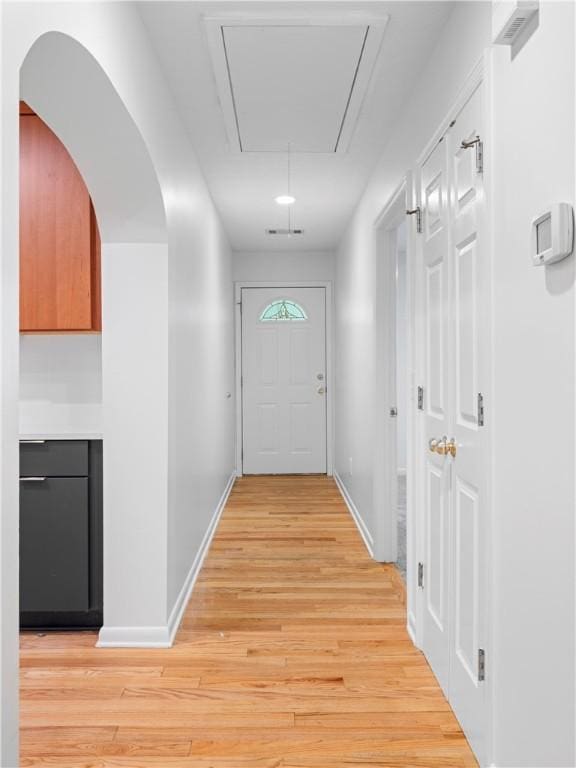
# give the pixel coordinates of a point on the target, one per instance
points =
(283, 309)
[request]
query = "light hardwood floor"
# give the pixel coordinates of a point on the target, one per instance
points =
(292, 653)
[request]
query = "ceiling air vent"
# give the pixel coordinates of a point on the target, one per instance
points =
(284, 231)
(510, 20)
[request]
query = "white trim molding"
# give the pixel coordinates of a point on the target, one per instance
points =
(134, 637)
(163, 636)
(360, 524)
(384, 459)
(179, 607)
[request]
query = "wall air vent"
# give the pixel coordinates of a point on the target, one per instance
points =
(286, 232)
(512, 21)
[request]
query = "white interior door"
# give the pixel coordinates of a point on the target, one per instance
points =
(284, 380)
(454, 274)
(469, 465)
(437, 399)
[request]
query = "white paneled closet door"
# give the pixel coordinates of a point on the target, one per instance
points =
(453, 274)
(438, 396)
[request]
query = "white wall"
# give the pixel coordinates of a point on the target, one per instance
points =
(201, 415)
(199, 319)
(183, 349)
(283, 265)
(531, 656)
(60, 385)
(458, 50)
(533, 409)
(135, 369)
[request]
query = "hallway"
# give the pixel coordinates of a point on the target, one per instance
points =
(293, 652)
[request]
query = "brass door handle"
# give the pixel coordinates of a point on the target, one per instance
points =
(443, 446)
(438, 446)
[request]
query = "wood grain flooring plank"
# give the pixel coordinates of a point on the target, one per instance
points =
(293, 653)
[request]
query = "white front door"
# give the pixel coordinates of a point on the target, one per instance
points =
(283, 380)
(454, 272)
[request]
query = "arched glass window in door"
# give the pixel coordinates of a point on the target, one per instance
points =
(283, 309)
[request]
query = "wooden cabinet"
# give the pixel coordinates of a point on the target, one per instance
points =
(59, 240)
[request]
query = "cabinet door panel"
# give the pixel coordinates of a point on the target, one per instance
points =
(54, 544)
(55, 235)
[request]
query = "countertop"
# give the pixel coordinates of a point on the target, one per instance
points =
(63, 436)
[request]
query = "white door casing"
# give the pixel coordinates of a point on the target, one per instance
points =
(283, 381)
(454, 274)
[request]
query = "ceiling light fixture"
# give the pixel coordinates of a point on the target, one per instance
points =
(285, 199)
(288, 200)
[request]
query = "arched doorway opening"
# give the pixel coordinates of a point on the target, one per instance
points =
(64, 84)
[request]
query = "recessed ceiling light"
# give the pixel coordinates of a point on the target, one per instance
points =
(285, 199)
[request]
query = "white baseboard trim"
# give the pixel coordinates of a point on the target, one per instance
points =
(360, 524)
(182, 600)
(163, 636)
(412, 632)
(134, 637)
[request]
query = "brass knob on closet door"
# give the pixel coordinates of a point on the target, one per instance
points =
(442, 447)
(451, 447)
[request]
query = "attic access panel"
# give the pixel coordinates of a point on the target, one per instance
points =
(293, 81)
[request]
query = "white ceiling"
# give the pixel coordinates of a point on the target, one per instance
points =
(292, 84)
(297, 73)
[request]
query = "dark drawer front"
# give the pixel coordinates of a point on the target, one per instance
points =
(54, 544)
(54, 458)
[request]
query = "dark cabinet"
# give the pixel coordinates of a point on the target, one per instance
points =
(60, 534)
(54, 458)
(54, 552)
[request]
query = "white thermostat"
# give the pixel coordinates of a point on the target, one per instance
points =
(553, 234)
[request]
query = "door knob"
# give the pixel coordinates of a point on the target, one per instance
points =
(320, 376)
(442, 447)
(320, 390)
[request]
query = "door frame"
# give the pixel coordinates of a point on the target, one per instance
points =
(284, 285)
(480, 76)
(385, 228)
(386, 539)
